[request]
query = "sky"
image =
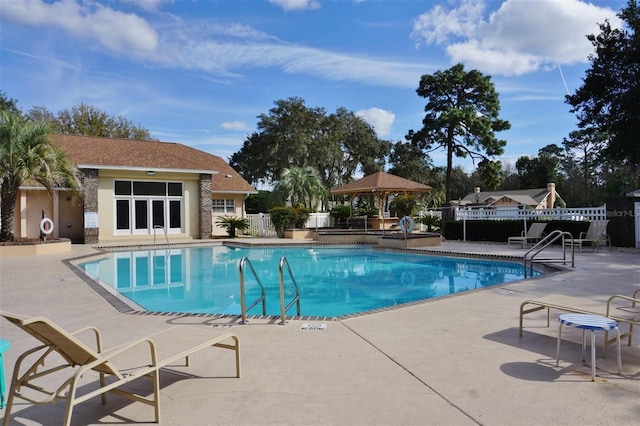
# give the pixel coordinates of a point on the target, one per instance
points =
(199, 72)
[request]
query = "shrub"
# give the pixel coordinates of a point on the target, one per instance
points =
(231, 223)
(431, 222)
(300, 216)
(282, 218)
(340, 214)
(405, 205)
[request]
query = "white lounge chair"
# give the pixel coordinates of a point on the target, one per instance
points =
(141, 358)
(595, 235)
(533, 235)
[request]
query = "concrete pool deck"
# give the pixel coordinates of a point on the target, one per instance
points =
(451, 361)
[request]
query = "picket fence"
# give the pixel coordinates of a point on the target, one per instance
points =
(579, 214)
(260, 224)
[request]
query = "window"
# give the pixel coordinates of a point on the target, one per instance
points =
(142, 206)
(224, 206)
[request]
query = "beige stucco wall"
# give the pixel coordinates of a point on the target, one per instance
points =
(28, 213)
(106, 203)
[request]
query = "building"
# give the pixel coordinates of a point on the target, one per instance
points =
(539, 198)
(135, 190)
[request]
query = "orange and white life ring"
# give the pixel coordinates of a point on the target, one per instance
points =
(46, 226)
(406, 224)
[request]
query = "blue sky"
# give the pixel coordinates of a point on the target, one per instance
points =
(200, 72)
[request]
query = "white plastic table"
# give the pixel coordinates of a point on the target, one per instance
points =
(591, 323)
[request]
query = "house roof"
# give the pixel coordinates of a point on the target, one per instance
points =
(381, 182)
(128, 154)
(522, 196)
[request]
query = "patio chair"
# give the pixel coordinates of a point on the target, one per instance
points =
(61, 351)
(595, 235)
(533, 235)
(624, 309)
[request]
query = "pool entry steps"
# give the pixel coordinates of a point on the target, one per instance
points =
(283, 309)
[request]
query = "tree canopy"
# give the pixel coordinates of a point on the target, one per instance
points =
(461, 117)
(608, 98)
(88, 120)
(293, 134)
(27, 154)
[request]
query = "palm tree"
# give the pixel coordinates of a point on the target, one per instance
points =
(26, 154)
(231, 223)
(302, 185)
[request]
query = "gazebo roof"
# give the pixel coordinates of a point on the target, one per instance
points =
(381, 182)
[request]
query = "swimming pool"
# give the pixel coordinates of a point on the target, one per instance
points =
(333, 281)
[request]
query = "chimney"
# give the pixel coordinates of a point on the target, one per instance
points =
(551, 200)
(476, 190)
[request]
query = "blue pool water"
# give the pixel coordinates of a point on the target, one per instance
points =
(333, 281)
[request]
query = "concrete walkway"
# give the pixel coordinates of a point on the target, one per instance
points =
(452, 361)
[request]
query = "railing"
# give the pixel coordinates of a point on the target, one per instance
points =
(166, 237)
(243, 308)
(545, 243)
(578, 214)
(296, 299)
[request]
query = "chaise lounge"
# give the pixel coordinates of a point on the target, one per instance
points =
(596, 234)
(624, 309)
(533, 235)
(141, 358)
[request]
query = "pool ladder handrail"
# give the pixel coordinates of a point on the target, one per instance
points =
(546, 242)
(283, 309)
(243, 308)
(166, 255)
(166, 237)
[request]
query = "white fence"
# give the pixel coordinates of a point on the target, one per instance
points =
(260, 224)
(582, 213)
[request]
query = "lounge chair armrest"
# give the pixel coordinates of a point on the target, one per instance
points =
(119, 350)
(620, 296)
(96, 333)
(582, 235)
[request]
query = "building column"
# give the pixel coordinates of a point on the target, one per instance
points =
(90, 199)
(205, 215)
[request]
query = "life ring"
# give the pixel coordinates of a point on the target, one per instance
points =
(406, 224)
(46, 226)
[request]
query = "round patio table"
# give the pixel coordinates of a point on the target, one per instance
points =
(590, 323)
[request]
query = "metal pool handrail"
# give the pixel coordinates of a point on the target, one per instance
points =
(554, 236)
(166, 237)
(243, 307)
(296, 299)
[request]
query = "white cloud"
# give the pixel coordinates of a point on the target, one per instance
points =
(519, 37)
(234, 125)
(380, 119)
(224, 58)
(148, 5)
(289, 5)
(118, 31)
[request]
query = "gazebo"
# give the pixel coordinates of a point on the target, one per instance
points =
(381, 185)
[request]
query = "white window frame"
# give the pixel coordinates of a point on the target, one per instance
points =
(226, 205)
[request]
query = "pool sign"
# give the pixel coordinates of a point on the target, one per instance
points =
(314, 327)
